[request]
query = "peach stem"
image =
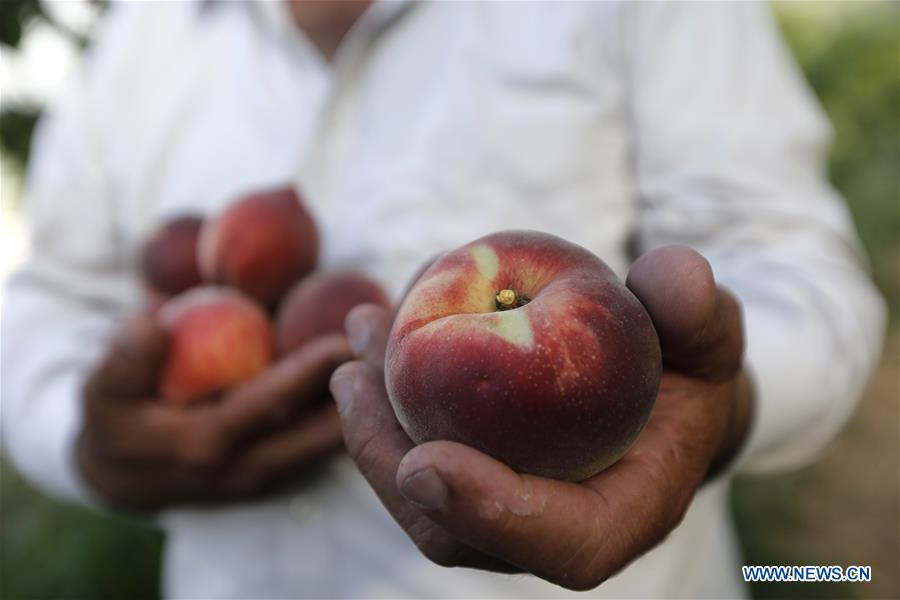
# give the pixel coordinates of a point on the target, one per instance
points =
(507, 299)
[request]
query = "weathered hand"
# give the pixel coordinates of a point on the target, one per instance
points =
(141, 454)
(464, 508)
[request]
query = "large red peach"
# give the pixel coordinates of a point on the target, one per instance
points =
(528, 348)
(261, 244)
(319, 304)
(169, 256)
(218, 338)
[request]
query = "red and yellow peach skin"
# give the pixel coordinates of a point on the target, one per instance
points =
(319, 304)
(261, 245)
(528, 348)
(169, 257)
(218, 338)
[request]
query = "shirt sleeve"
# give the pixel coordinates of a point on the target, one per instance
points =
(729, 158)
(61, 307)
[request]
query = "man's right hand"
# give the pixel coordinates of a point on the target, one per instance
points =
(139, 453)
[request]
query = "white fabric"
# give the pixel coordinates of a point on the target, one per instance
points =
(437, 123)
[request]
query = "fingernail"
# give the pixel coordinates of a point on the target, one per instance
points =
(341, 387)
(426, 488)
(358, 333)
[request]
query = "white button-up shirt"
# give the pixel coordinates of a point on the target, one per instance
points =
(613, 125)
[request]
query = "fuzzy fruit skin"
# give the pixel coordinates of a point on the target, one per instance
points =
(560, 387)
(261, 245)
(320, 303)
(218, 338)
(169, 257)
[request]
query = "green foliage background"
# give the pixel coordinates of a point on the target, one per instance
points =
(849, 52)
(851, 55)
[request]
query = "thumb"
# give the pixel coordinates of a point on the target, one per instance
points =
(556, 530)
(699, 323)
(131, 367)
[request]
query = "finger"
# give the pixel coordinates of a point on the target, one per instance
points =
(142, 481)
(151, 433)
(368, 327)
(201, 439)
(372, 435)
(699, 324)
(131, 367)
(292, 384)
(377, 443)
(288, 454)
(556, 530)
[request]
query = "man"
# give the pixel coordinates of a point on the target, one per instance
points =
(413, 128)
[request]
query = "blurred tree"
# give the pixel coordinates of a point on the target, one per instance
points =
(843, 510)
(13, 15)
(851, 55)
(17, 122)
(50, 550)
(16, 15)
(16, 127)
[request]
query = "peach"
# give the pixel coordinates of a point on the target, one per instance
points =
(418, 275)
(261, 244)
(319, 304)
(218, 338)
(528, 348)
(168, 258)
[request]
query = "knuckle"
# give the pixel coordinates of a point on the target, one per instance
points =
(347, 372)
(438, 556)
(92, 400)
(86, 458)
(338, 350)
(199, 452)
(675, 516)
(583, 582)
(422, 531)
(586, 566)
(243, 485)
(435, 545)
(100, 475)
(108, 442)
(671, 502)
(364, 453)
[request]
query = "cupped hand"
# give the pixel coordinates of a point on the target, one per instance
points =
(463, 508)
(138, 453)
